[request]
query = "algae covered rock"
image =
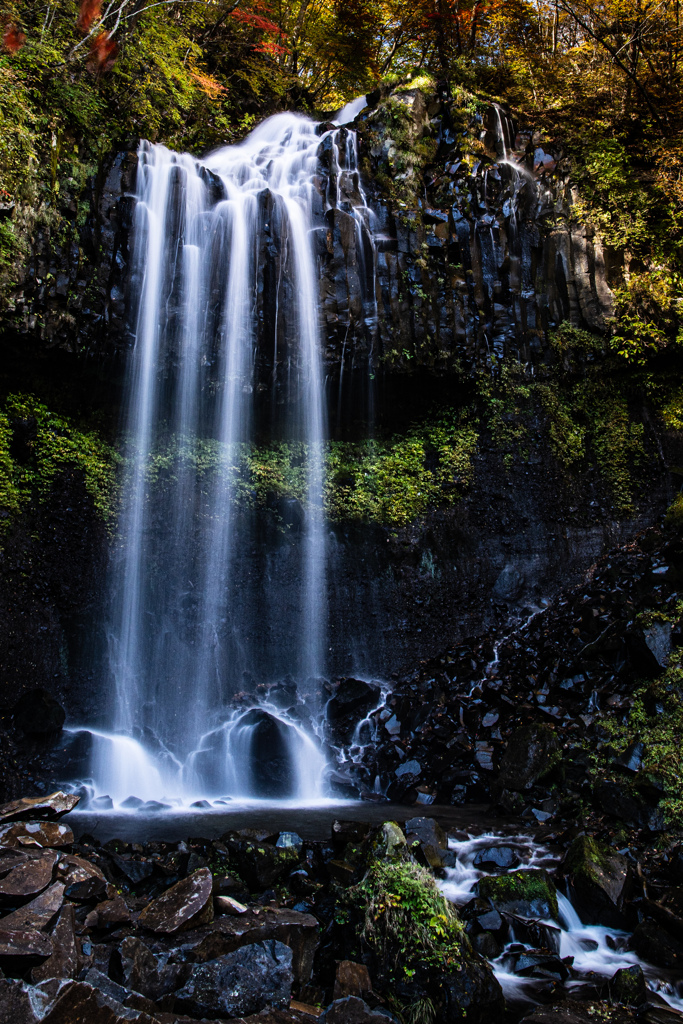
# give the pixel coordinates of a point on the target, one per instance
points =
(523, 893)
(417, 948)
(531, 753)
(599, 881)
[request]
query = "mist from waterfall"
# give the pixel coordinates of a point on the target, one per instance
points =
(180, 647)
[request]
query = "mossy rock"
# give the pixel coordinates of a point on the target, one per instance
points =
(524, 893)
(599, 881)
(532, 752)
(418, 951)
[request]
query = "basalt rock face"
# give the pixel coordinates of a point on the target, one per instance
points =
(71, 291)
(445, 238)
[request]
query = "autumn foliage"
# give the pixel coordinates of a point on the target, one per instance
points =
(13, 39)
(90, 13)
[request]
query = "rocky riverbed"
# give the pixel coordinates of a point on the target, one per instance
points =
(374, 923)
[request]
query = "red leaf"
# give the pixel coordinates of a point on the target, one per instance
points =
(258, 21)
(13, 39)
(103, 51)
(89, 14)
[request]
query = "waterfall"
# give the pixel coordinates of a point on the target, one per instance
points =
(187, 632)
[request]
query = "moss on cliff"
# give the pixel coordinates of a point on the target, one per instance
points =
(35, 444)
(390, 481)
(656, 719)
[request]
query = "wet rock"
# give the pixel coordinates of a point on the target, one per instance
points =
(185, 905)
(522, 893)
(631, 759)
(260, 864)
(622, 800)
(486, 944)
(628, 986)
(538, 963)
(352, 701)
(74, 871)
(37, 713)
(239, 983)
(52, 807)
(389, 843)
(109, 914)
(35, 833)
(297, 930)
(22, 949)
(508, 585)
(73, 1002)
(658, 640)
(270, 754)
(472, 993)
(28, 879)
(86, 891)
(501, 857)
(133, 869)
(228, 905)
(352, 979)
(353, 1010)
(530, 754)
(655, 944)
(37, 914)
(427, 840)
(599, 881)
(64, 961)
(149, 973)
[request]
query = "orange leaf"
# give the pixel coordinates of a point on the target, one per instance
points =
(13, 39)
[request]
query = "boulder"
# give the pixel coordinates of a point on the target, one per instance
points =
(472, 993)
(239, 983)
(65, 960)
(352, 979)
(497, 857)
(149, 973)
(628, 986)
(22, 949)
(298, 931)
(353, 1010)
(656, 945)
(430, 840)
(626, 801)
(352, 701)
(71, 1002)
(389, 843)
(531, 752)
(52, 807)
(599, 881)
(37, 914)
(28, 879)
(185, 905)
(109, 914)
(529, 894)
(260, 864)
(35, 833)
(37, 713)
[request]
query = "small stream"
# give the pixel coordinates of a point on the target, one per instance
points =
(534, 957)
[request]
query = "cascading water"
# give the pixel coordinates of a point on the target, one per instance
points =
(570, 950)
(183, 633)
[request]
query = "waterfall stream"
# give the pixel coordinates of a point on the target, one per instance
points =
(571, 953)
(187, 635)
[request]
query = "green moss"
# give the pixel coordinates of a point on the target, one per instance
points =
(390, 481)
(586, 856)
(523, 886)
(656, 719)
(408, 923)
(54, 444)
(590, 418)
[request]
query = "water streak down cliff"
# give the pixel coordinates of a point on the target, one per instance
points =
(183, 635)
